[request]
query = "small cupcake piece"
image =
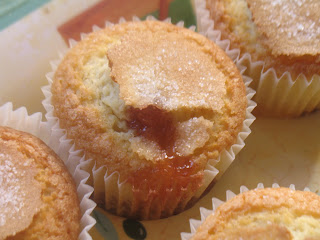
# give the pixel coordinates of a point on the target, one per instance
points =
(270, 213)
(38, 197)
(151, 103)
(282, 39)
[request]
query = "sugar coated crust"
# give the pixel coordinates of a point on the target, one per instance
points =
(47, 207)
(283, 34)
(270, 213)
(151, 101)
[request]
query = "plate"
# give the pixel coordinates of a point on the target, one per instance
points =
(277, 151)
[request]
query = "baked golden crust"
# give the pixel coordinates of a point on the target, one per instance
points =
(20, 192)
(74, 102)
(288, 28)
(272, 213)
(157, 69)
(287, 42)
(58, 213)
(125, 123)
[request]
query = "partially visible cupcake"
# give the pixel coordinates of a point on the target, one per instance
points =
(279, 43)
(154, 106)
(43, 196)
(267, 213)
(38, 197)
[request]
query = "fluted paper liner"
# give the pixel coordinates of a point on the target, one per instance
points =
(277, 96)
(204, 213)
(118, 196)
(33, 124)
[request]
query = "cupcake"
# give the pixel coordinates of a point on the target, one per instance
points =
(38, 196)
(267, 213)
(278, 42)
(154, 106)
(42, 199)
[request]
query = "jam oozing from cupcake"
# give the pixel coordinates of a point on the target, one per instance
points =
(155, 125)
(158, 126)
(158, 79)
(153, 102)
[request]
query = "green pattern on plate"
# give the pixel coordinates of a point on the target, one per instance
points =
(179, 10)
(13, 10)
(104, 225)
(182, 10)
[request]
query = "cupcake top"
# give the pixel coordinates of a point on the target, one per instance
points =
(149, 100)
(288, 27)
(283, 34)
(37, 195)
(155, 68)
(270, 213)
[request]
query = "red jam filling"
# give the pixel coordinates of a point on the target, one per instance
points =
(174, 171)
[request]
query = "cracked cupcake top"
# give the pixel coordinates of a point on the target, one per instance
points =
(149, 95)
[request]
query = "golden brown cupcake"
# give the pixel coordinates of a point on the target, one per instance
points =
(38, 196)
(151, 103)
(279, 42)
(269, 214)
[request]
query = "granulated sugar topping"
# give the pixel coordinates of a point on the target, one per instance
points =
(288, 27)
(11, 194)
(167, 70)
(19, 194)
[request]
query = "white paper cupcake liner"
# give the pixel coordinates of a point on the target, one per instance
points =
(279, 96)
(108, 188)
(33, 124)
(204, 213)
